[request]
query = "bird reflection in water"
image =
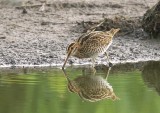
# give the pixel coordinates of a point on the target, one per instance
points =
(91, 87)
(151, 75)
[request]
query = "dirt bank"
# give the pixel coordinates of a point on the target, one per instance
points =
(41, 38)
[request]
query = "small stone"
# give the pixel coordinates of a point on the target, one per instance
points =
(71, 62)
(110, 64)
(50, 56)
(44, 23)
(24, 11)
(2, 37)
(131, 49)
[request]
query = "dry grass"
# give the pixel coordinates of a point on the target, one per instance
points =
(127, 25)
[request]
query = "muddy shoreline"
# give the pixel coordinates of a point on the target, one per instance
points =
(40, 38)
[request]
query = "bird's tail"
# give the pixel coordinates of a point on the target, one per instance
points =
(113, 31)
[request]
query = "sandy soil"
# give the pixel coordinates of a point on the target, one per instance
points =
(41, 38)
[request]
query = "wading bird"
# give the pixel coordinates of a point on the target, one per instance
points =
(91, 45)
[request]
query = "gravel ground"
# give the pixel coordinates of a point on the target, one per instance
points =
(41, 38)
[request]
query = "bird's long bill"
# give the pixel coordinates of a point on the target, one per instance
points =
(66, 59)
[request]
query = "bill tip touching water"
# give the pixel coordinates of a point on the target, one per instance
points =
(91, 45)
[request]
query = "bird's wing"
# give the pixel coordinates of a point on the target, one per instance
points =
(95, 39)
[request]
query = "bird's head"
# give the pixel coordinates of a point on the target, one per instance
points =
(71, 50)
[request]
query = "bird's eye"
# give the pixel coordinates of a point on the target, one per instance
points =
(71, 47)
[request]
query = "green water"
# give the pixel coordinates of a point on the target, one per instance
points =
(46, 91)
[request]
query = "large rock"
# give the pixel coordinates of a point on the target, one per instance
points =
(151, 21)
(151, 75)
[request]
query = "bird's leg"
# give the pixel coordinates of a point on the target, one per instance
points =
(109, 63)
(93, 66)
(108, 73)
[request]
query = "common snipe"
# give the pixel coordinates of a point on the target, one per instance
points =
(91, 88)
(91, 45)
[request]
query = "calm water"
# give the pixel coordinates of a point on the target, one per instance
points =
(46, 91)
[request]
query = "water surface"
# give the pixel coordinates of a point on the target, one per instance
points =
(46, 91)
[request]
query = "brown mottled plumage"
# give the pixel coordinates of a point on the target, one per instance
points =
(91, 44)
(92, 88)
